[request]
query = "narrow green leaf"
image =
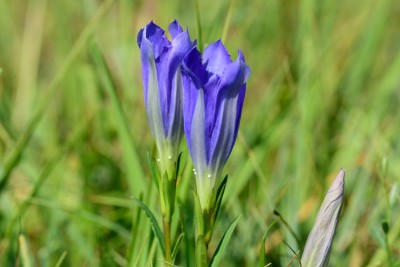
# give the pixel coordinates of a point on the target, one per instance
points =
(220, 194)
(286, 224)
(198, 21)
(61, 259)
(136, 219)
(176, 246)
(223, 243)
(26, 254)
(296, 256)
(261, 260)
(154, 224)
(227, 20)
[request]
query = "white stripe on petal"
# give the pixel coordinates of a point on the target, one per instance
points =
(198, 146)
(153, 109)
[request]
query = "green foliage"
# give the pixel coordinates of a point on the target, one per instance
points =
(223, 243)
(153, 221)
(323, 94)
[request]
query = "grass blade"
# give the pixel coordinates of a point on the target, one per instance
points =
(23, 140)
(223, 243)
(261, 261)
(61, 259)
(154, 224)
(132, 162)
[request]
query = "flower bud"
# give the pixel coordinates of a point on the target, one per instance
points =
(213, 95)
(317, 249)
(162, 79)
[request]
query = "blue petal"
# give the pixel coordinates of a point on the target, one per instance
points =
(198, 148)
(212, 107)
(175, 115)
(194, 77)
(216, 57)
(193, 66)
(174, 28)
(156, 36)
(223, 135)
(167, 68)
(228, 105)
(139, 37)
(239, 104)
(190, 95)
(234, 76)
(149, 73)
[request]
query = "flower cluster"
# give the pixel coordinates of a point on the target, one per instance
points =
(201, 95)
(202, 92)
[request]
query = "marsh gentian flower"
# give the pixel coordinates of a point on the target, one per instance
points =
(162, 79)
(213, 95)
(317, 249)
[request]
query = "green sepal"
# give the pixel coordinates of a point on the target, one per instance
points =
(210, 213)
(154, 171)
(201, 252)
(154, 224)
(223, 243)
(218, 200)
(177, 166)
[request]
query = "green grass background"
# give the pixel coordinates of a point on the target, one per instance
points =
(324, 93)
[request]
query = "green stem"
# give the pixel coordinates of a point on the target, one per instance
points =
(203, 233)
(167, 240)
(201, 257)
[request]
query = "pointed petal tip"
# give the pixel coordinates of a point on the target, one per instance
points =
(246, 67)
(337, 186)
(151, 24)
(240, 55)
(341, 175)
(174, 28)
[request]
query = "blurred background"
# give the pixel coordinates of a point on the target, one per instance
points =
(324, 93)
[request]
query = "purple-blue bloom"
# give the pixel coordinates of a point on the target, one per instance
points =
(162, 79)
(213, 95)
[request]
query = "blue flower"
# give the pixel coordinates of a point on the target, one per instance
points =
(162, 79)
(213, 95)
